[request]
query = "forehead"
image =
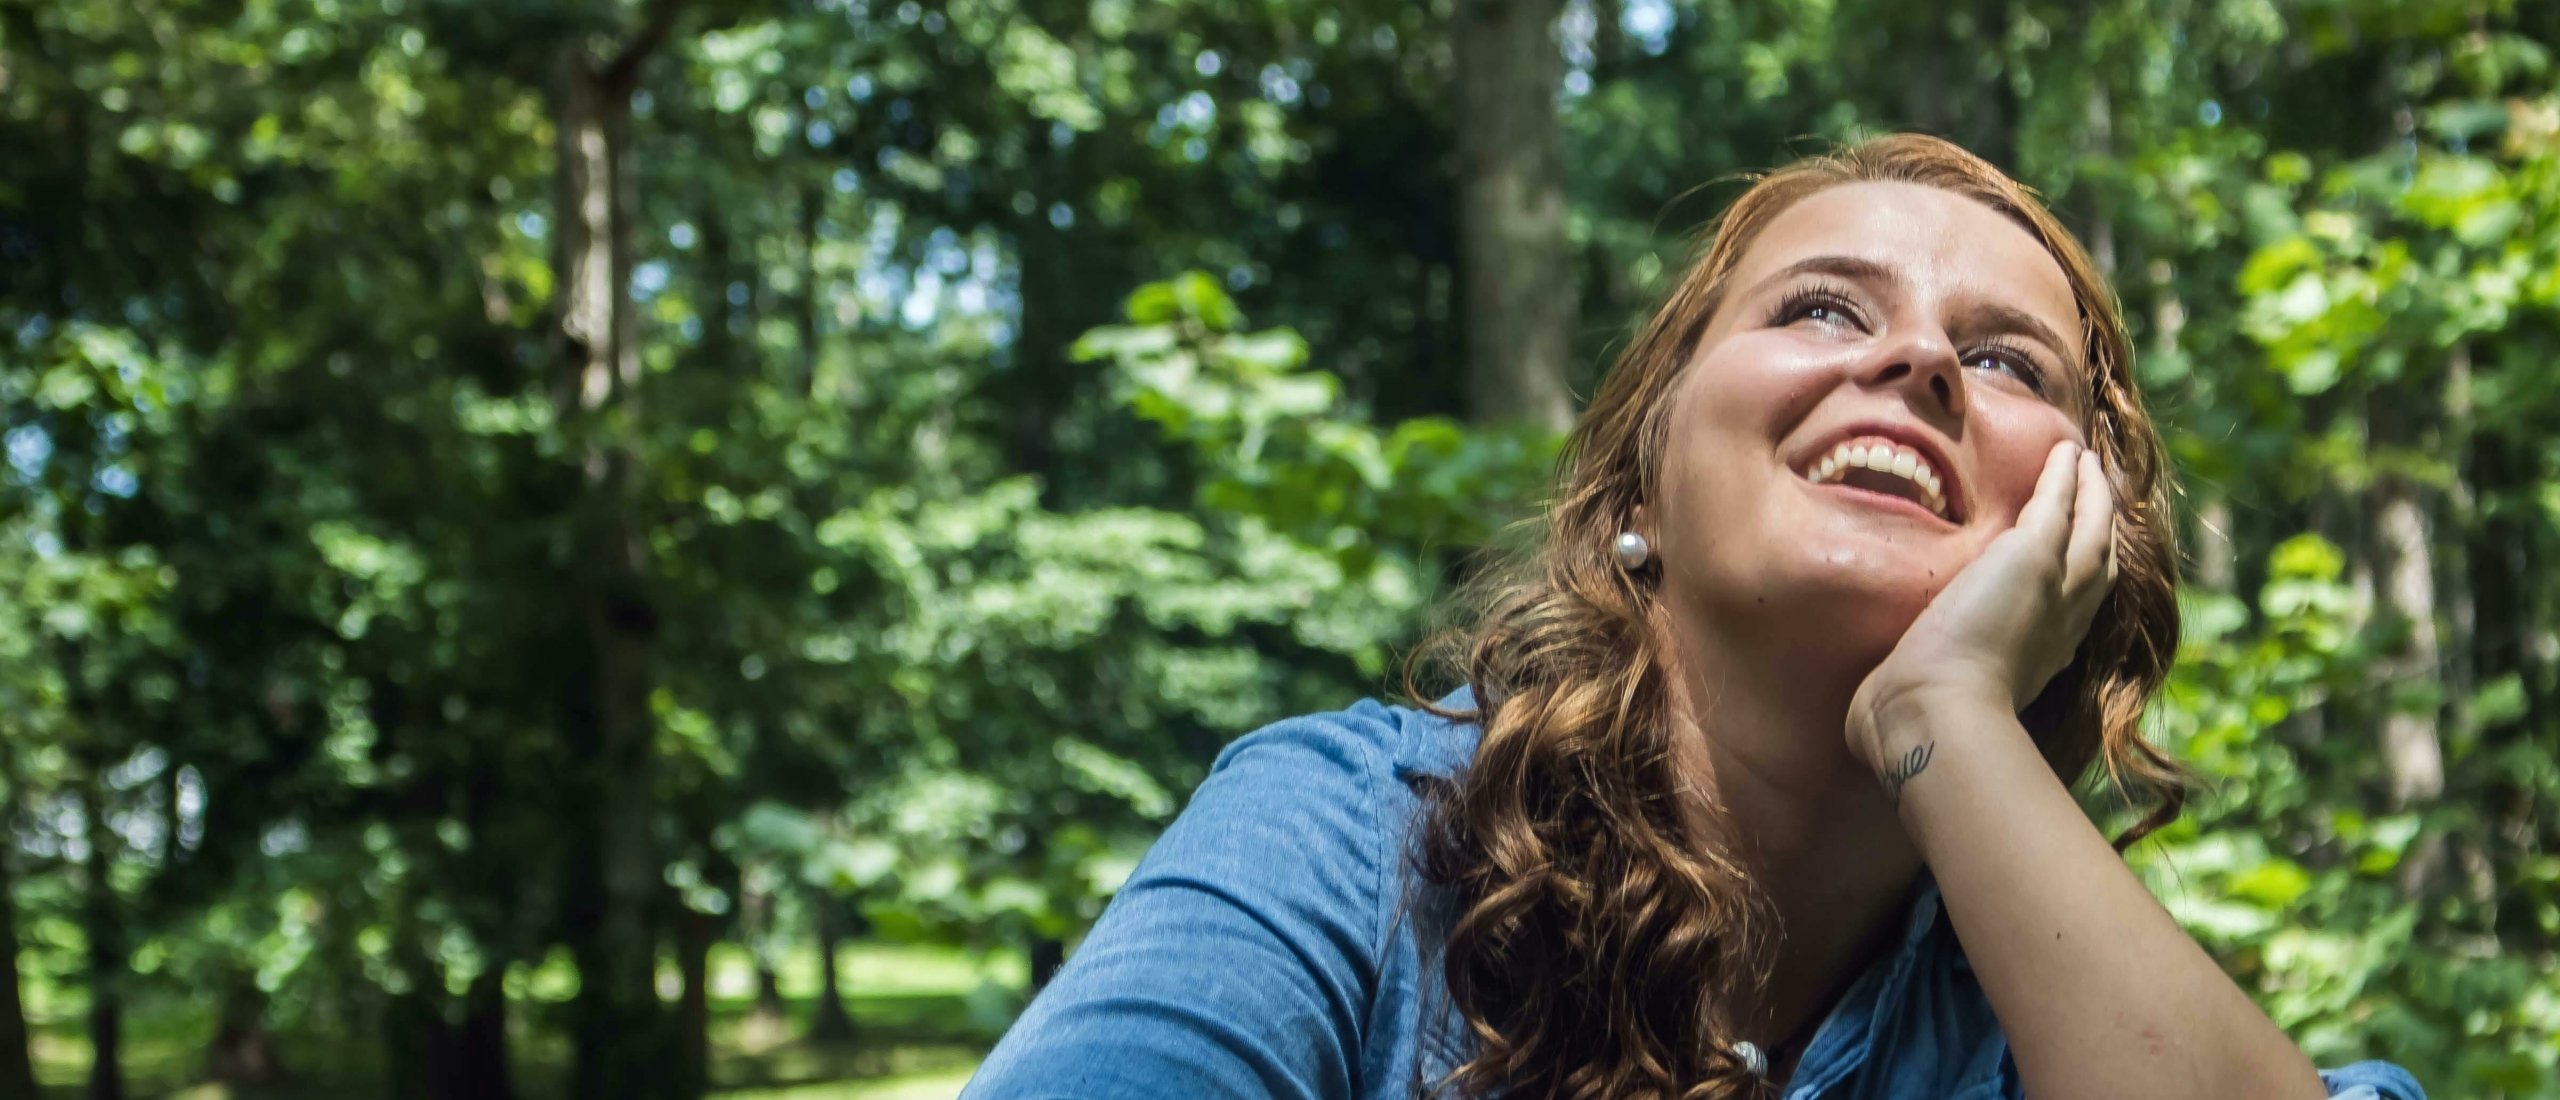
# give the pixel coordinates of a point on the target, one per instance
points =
(1934, 240)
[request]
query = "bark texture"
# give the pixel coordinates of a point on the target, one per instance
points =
(102, 924)
(1515, 276)
(2405, 606)
(17, 1069)
(617, 1026)
(828, 1021)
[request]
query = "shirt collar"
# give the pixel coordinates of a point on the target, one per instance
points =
(1438, 747)
(1434, 746)
(1847, 1036)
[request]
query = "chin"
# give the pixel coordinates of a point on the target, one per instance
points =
(1849, 606)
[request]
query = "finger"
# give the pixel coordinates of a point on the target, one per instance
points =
(2093, 513)
(2111, 551)
(2047, 517)
(2087, 602)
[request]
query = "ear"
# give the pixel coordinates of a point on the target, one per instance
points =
(1641, 522)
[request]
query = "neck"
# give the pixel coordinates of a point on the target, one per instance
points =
(1763, 733)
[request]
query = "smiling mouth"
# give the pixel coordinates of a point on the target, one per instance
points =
(1879, 465)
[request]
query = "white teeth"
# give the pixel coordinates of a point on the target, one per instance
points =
(1898, 461)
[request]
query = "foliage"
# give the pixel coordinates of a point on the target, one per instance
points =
(969, 516)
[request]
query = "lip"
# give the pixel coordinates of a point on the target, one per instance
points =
(1959, 501)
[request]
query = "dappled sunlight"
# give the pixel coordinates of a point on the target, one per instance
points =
(533, 535)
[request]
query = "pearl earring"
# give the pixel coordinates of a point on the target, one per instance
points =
(1753, 1062)
(1633, 551)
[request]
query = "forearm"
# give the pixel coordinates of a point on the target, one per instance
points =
(2100, 992)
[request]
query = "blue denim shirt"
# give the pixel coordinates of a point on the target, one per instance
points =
(1263, 949)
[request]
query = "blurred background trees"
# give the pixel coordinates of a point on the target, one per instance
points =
(645, 548)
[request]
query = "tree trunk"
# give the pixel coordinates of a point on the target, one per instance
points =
(616, 1025)
(2502, 568)
(720, 342)
(243, 1050)
(768, 988)
(2098, 130)
(413, 1047)
(17, 1069)
(479, 1067)
(756, 929)
(828, 1021)
(1515, 276)
(103, 926)
(2217, 556)
(812, 205)
(1048, 953)
(1608, 39)
(2405, 605)
(1071, 277)
(2217, 559)
(2460, 596)
(693, 1005)
(1936, 87)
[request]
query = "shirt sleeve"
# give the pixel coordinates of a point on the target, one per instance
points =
(2371, 1081)
(1239, 959)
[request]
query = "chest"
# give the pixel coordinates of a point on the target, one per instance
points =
(1916, 1027)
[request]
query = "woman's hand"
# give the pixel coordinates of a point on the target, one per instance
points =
(2005, 625)
(2099, 992)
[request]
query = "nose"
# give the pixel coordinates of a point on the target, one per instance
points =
(1922, 364)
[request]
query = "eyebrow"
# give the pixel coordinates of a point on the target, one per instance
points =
(2004, 316)
(1999, 315)
(1851, 268)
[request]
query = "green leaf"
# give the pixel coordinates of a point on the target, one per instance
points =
(2499, 702)
(2274, 884)
(1272, 351)
(2312, 372)
(2307, 557)
(1115, 775)
(2209, 616)
(2285, 261)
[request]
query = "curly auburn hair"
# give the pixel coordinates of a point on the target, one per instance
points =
(1593, 935)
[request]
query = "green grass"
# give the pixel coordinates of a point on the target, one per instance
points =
(924, 1017)
(930, 1085)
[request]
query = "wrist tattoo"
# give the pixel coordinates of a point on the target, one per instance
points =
(1911, 764)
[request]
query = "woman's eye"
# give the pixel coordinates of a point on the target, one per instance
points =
(2013, 362)
(1821, 309)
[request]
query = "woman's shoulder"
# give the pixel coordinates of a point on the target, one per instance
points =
(1297, 831)
(1253, 951)
(1379, 746)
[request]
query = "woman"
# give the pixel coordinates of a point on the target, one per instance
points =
(1760, 786)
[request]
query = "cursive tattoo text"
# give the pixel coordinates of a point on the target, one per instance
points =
(1902, 770)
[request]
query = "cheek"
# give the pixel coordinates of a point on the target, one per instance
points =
(2010, 447)
(1693, 487)
(1772, 377)
(1728, 410)
(1744, 393)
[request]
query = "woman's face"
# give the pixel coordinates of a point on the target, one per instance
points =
(1870, 406)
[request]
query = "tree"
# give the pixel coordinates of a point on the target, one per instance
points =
(1511, 194)
(481, 484)
(17, 1068)
(596, 339)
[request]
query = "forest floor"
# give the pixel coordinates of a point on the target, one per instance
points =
(923, 1018)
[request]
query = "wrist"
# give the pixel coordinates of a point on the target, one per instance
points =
(1890, 720)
